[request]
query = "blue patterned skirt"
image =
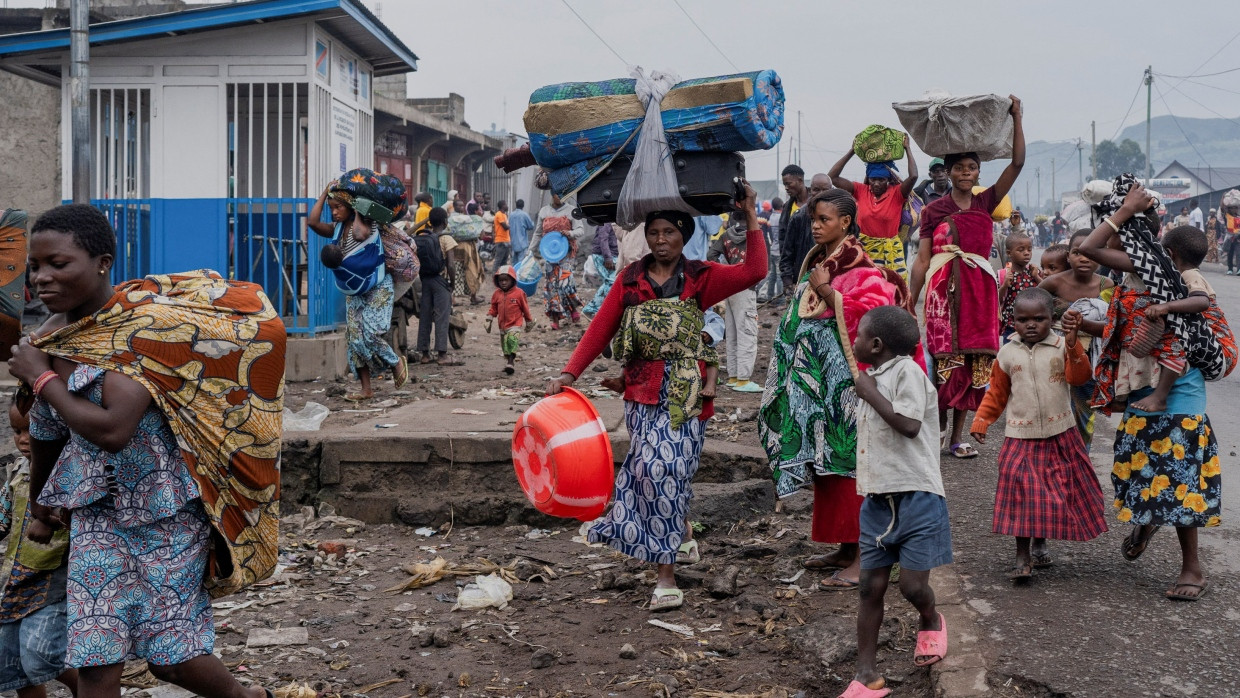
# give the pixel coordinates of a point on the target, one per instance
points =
(368, 317)
(138, 592)
(654, 485)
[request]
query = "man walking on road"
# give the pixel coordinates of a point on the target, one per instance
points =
(795, 240)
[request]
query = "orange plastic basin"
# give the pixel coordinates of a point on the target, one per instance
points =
(563, 457)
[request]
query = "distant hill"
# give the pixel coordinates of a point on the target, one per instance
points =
(1218, 140)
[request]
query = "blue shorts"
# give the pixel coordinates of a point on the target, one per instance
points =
(32, 650)
(910, 528)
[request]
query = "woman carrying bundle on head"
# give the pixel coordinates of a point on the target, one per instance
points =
(655, 312)
(368, 288)
(962, 297)
(880, 203)
(807, 421)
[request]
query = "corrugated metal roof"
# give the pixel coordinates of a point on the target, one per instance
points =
(348, 20)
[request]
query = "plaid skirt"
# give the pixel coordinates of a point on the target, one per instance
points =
(1047, 489)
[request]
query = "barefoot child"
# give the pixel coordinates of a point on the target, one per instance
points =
(1016, 277)
(1080, 289)
(1187, 247)
(1155, 317)
(33, 631)
(510, 305)
(1054, 260)
(1047, 487)
(904, 515)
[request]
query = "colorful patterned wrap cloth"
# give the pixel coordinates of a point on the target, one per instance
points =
(580, 125)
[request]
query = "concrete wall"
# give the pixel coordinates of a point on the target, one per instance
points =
(29, 145)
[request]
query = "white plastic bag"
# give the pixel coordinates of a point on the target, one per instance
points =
(484, 592)
(941, 124)
(651, 184)
(308, 418)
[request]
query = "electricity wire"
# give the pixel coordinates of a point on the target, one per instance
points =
(596, 34)
(1178, 126)
(705, 35)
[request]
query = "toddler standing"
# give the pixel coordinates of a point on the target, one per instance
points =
(1047, 487)
(33, 626)
(904, 514)
(510, 305)
(1018, 275)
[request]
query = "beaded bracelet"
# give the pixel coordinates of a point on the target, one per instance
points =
(42, 381)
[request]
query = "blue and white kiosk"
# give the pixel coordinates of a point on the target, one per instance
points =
(214, 129)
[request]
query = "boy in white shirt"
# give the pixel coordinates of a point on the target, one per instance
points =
(904, 516)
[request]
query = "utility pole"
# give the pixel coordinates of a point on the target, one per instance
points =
(800, 143)
(1054, 196)
(1093, 149)
(79, 99)
(1080, 165)
(1149, 104)
(1037, 172)
(1027, 202)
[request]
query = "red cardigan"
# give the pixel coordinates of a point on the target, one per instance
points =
(706, 282)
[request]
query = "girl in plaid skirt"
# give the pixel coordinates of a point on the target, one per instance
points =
(1047, 487)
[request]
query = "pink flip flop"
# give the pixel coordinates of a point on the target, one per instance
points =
(931, 643)
(856, 689)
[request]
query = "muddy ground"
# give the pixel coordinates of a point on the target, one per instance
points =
(577, 623)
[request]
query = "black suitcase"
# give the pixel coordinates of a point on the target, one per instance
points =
(708, 182)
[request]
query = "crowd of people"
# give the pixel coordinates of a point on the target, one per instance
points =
(876, 346)
(888, 329)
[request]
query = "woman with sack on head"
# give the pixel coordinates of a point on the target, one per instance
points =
(656, 313)
(807, 422)
(360, 201)
(880, 204)
(962, 291)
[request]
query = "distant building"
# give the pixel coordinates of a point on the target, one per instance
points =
(1200, 181)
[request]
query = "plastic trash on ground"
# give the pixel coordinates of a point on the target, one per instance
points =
(941, 124)
(485, 592)
(308, 418)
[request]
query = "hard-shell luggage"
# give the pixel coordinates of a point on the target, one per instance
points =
(708, 183)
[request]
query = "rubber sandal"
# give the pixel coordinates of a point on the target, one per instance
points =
(666, 599)
(840, 585)
(964, 451)
(1021, 574)
(856, 689)
(688, 554)
(509, 370)
(747, 387)
(1129, 544)
(1042, 561)
(358, 397)
(401, 377)
(931, 643)
(426, 360)
(1172, 595)
(819, 562)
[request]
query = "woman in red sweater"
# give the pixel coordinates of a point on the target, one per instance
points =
(655, 313)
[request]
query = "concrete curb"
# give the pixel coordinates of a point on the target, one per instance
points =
(962, 674)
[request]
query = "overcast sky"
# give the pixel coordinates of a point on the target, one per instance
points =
(1069, 62)
(842, 63)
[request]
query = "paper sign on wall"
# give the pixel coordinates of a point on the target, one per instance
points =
(344, 134)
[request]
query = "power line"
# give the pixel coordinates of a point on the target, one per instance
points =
(1194, 101)
(1206, 84)
(1130, 104)
(706, 36)
(596, 34)
(1193, 73)
(1178, 126)
(1202, 75)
